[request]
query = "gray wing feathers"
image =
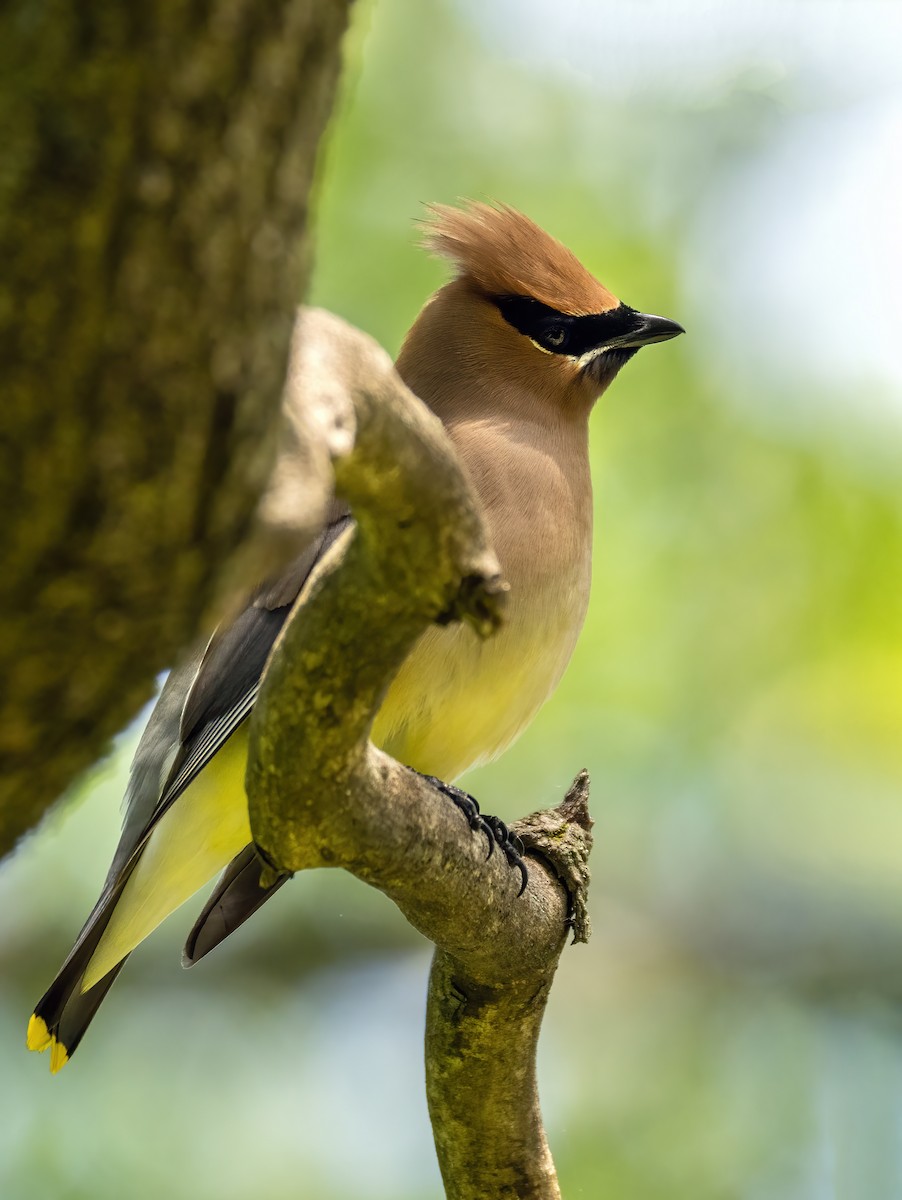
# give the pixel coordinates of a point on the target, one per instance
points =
(154, 759)
(237, 896)
(202, 703)
(207, 697)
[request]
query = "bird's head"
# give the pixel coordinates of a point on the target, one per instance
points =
(522, 316)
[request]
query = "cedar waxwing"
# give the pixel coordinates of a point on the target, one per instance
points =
(511, 355)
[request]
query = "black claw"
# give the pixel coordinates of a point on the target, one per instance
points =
(521, 865)
(494, 828)
(513, 850)
(486, 829)
(500, 830)
(468, 805)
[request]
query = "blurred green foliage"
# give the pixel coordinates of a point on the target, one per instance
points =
(731, 1030)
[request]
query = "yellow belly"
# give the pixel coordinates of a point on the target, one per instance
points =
(458, 701)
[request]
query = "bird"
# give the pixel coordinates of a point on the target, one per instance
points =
(511, 353)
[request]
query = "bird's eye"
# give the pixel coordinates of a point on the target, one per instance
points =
(555, 337)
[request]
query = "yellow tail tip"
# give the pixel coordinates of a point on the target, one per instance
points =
(38, 1036)
(58, 1056)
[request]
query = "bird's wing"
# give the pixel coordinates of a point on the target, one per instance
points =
(201, 705)
(237, 895)
(210, 697)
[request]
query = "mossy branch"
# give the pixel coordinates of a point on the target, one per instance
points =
(321, 795)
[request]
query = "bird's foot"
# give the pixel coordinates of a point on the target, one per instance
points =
(495, 830)
(512, 847)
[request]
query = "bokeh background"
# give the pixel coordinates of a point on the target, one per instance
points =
(733, 1029)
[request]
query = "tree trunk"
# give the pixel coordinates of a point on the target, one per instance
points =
(156, 167)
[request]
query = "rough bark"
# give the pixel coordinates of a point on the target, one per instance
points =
(485, 1007)
(156, 165)
(419, 554)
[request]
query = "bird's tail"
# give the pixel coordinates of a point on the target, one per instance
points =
(60, 1026)
(188, 844)
(64, 1012)
(237, 896)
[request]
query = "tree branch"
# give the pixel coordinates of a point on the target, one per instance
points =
(419, 554)
(483, 1015)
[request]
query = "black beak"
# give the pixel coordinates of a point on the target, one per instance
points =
(644, 330)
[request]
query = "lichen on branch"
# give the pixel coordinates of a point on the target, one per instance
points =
(321, 794)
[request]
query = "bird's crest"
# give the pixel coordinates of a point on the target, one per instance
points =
(506, 254)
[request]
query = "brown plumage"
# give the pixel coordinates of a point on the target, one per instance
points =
(505, 253)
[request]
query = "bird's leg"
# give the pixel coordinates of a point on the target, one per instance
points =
(494, 828)
(512, 847)
(467, 804)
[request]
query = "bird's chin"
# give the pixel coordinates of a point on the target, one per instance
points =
(603, 367)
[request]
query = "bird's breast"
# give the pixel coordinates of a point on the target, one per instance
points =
(458, 700)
